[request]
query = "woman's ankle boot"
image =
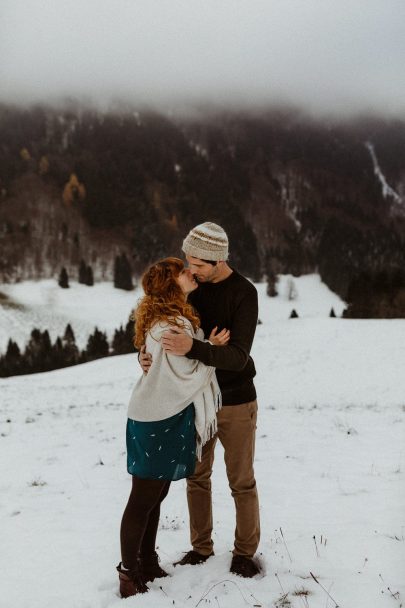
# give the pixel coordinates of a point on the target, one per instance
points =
(150, 567)
(132, 581)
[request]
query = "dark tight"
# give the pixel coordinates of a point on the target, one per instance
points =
(141, 518)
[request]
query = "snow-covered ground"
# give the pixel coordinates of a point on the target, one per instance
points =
(45, 305)
(330, 468)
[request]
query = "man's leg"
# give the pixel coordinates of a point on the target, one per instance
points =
(200, 501)
(236, 432)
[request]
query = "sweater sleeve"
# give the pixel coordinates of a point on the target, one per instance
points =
(177, 375)
(235, 355)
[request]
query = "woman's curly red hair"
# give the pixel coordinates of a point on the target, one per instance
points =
(163, 300)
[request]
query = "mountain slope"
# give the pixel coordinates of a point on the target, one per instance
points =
(295, 195)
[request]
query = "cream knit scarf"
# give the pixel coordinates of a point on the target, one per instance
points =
(172, 383)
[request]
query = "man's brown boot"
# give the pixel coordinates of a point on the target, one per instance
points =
(131, 581)
(244, 566)
(192, 558)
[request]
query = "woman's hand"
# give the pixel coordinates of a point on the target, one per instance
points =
(220, 339)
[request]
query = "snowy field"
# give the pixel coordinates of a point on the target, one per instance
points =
(330, 466)
(45, 305)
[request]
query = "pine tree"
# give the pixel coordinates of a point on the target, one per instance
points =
(122, 343)
(332, 313)
(11, 363)
(122, 273)
(294, 314)
(271, 284)
(82, 272)
(85, 274)
(31, 352)
(117, 272)
(45, 360)
(97, 346)
(118, 342)
(63, 279)
(58, 358)
(89, 279)
(38, 352)
(70, 350)
(69, 336)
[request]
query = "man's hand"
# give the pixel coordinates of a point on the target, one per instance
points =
(220, 339)
(145, 359)
(176, 341)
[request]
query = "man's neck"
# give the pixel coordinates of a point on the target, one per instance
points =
(225, 272)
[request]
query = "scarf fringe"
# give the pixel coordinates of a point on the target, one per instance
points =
(210, 431)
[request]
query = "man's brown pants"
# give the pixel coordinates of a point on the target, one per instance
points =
(236, 432)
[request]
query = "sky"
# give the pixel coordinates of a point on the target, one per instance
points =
(326, 56)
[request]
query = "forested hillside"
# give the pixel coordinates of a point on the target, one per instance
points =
(294, 195)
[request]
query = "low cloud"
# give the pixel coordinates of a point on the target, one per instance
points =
(326, 56)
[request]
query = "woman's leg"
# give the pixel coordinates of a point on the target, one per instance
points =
(144, 498)
(148, 544)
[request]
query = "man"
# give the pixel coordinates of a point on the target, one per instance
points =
(226, 300)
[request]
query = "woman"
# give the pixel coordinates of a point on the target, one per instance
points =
(171, 415)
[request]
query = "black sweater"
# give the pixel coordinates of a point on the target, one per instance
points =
(230, 304)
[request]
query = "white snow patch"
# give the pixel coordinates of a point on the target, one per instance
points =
(386, 188)
(43, 304)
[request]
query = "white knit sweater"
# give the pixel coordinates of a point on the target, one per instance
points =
(172, 383)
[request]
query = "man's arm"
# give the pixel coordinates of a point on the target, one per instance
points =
(235, 355)
(144, 359)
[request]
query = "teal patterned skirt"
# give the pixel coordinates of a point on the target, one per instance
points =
(164, 449)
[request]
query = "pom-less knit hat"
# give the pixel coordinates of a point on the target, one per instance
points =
(207, 241)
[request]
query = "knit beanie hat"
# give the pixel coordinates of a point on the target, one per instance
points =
(207, 241)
